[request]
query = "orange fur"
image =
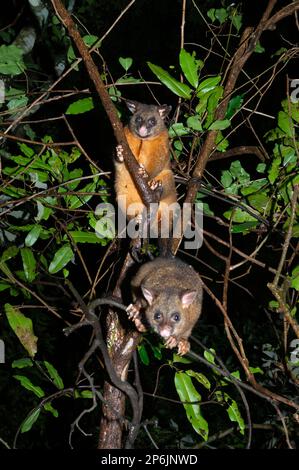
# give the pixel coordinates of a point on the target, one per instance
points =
(153, 154)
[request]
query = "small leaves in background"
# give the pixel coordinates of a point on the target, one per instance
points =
(29, 264)
(33, 235)
(11, 60)
(22, 363)
(30, 420)
(57, 380)
(143, 354)
(61, 258)
(80, 106)
(178, 88)
(232, 409)
(190, 67)
(125, 62)
(26, 383)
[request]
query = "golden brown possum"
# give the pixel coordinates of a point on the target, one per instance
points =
(169, 293)
(148, 140)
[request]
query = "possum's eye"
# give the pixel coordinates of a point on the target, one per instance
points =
(157, 315)
(176, 317)
(152, 121)
(138, 119)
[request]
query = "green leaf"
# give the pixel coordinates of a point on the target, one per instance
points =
(180, 359)
(29, 264)
(22, 327)
(201, 378)
(11, 60)
(221, 142)
(234, 104)
(232, 410)
(9, 253)
(259, 201)
(61, 258)
(254, 186)
(33, 235)
(238, 172)
(4, 286)
(256, 370)
(244, 228)
(26, 383)
(79, 236)
(220, 125)
(27, 151)
(51, 409)
(226, 179)
(207, 85)
(74, 202)
(274, 170)
(211, 14)
(21, 363)
(295, 278)
(143, 354)
(178, 88)
(187, 392)
(156, 351)
(125, 62)
(239, 216)
(209, 355)
(17, 103)
(86, 394)
(190, 67)
(29, 422)
(90, 40)
(285, 123)
(237, 21)
(261, 167)
(57, 380)
(178, 130)
(259, 48)
(80, 106)
(221, 15)
(194, 123)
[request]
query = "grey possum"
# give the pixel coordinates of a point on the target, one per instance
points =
(168, 292)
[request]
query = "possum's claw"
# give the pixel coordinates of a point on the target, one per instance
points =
(133, 311)
(134, 314)
(171, 342)
(119, 153)
(142, 171)
(155, 184)
(183, 347)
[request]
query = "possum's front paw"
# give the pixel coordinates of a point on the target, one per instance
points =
(142, 171)
(133, 312)
(155, 184)
(119, 153)
(171, 342)
(183, 347)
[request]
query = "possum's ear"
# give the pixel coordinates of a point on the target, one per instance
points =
(148, 294)
(132, 105)
(164, 110)
(188, 297)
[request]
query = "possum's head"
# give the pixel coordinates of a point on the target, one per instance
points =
(167, 312)
(147, 120)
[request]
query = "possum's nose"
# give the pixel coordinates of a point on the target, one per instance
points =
(143, 132)
(165, 332)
